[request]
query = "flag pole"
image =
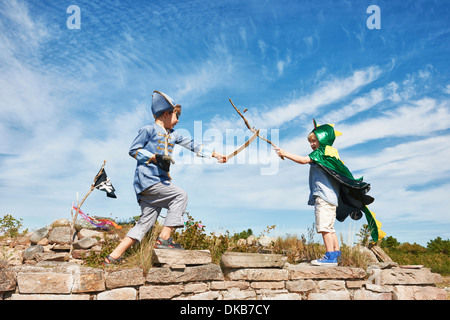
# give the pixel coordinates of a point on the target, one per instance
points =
(79, 204)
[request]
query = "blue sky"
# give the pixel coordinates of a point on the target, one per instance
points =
(71, 98)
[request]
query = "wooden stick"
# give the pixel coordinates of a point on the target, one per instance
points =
(79, 206)
(250, 128)
(242, 116)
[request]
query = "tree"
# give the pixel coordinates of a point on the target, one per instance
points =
(439, 246)
(412, 248)
(389, 242)
(243, 235)
(364, 235)
(9, 225)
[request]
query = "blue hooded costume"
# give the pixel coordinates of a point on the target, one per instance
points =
(153, 139)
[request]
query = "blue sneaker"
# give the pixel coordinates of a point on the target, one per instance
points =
(328, 260)
(338, 256)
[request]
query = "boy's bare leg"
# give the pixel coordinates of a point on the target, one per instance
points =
(166, 232)
(123, 246)
(331, 241)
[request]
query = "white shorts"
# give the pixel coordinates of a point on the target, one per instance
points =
(325, 215)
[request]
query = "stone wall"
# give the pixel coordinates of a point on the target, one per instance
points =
(190, 275)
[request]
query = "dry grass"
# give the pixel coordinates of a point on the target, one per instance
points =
(297, 249)
(140, 254)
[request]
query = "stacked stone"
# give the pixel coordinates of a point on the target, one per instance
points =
(190, 275)
(44, 270)
(52, 243)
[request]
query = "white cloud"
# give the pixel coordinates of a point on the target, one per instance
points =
(282, 64)
(447, 89)
(359, 104)
(328, 92)
(420, 118)
(262, 47)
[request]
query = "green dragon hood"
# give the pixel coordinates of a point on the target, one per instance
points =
(325, 134)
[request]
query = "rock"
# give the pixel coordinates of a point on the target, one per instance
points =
(20, 242)
(409, 266)
(80, 253)
(7, 280)
(270, 285)
(39, 234)
(330, 295)
(257, 274)
(195, 287)
(43, 242)
(377, 288)
(273, 295)
(418, 293)
(124, 278)
(370, 295)
(207, 272)
(118, 294)
(30, 252)
(160, 292)
(51, 256)
(235, 294)
(44, 282)
(225, 285)
(61, 247)
(209, 295)
(331, 285)
(252, 260)
(87, 280)
(399, 276)
(381, 255)
(297, 272)
(178, 257)
(50, 297)
(370, 256)
(301, 285)
(265, 241)
(387, 265)
(85, 243)
(61, 223)
(83, 224)
(251, 240)
(60, 235)
(87, 233)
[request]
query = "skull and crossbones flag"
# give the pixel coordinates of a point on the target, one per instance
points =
(103, 183)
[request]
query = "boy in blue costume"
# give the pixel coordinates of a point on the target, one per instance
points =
(334, 192)
(153, 148)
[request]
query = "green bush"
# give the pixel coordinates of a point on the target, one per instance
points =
(10, 226)
(435, 256)
(439, 246)
(192, 236)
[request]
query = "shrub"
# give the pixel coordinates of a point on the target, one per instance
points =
(439, 246)
(10, 226)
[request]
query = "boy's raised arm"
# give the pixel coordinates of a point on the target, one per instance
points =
(296, 158)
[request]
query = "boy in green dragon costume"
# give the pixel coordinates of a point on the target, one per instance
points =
(335, 193)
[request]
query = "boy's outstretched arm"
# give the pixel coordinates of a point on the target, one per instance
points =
(293, 157)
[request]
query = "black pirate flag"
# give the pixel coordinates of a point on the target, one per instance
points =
(103, 183)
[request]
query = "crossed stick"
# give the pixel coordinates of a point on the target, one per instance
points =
(253, 130)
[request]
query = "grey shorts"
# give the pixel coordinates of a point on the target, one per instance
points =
(156, 197)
